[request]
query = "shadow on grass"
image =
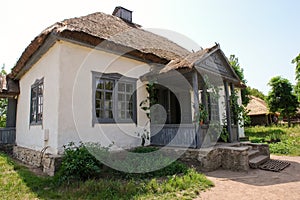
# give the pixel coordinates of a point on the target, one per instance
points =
(45, 187)
(189, 185)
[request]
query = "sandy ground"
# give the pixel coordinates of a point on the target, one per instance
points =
(256, 184)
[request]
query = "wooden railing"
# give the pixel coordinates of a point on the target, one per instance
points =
(177, 135)
(7, 135)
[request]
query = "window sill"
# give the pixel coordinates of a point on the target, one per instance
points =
(112, 122)
(36, 124)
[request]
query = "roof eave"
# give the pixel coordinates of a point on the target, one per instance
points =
(42, 43)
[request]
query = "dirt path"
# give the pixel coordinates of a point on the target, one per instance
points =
(256, 184)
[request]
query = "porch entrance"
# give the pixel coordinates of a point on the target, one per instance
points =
(168, 100)
(182, 96)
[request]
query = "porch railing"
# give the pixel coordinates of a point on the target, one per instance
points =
(177, 135)
(7, 135)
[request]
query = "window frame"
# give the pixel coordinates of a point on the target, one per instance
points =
(39, 104)
(116, 78)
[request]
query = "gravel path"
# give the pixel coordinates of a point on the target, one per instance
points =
(256, 184)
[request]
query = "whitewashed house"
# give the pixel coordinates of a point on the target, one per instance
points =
(83, 79)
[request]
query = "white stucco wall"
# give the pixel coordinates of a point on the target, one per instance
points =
(76, 97)
(32, 136)
(68, 99)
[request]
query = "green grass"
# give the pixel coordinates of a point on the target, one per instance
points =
(282, 140)
(17, 182)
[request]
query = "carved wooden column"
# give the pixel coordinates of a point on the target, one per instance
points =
(235, 128)
(196, 107)
(231, 93)
(228, 114)
(11, 113)
(204, 99)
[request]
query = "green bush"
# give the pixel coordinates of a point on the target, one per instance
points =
(282, 140)
(144, 149)
(78, 164)
(143, 161)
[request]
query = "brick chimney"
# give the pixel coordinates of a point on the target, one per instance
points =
(123, 13)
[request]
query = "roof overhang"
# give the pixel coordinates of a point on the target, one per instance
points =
(202, 63)
(41, 44)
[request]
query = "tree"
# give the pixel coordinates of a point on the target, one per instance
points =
(297, 87)
(3, 103)
(234, 62)
(281, 98)
(255, 92)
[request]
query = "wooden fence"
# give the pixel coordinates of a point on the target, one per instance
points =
(7, 135)
(183, 135)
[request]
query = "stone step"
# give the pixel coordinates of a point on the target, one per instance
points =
(258, 160)
(253, 153)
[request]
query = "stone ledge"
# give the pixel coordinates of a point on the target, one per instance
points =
(49, 163)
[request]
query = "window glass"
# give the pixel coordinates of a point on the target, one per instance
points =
(114, 99)
(36, 102)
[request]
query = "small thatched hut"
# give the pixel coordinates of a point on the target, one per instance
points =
(259, 112)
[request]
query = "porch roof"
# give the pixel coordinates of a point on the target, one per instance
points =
(202, 61)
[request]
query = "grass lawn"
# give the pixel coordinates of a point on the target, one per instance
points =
(281, 139)
(17, 182)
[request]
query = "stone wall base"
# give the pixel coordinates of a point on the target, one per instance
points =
(233, 157)
(49, 163)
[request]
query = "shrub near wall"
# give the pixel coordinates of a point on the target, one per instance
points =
(78, 164)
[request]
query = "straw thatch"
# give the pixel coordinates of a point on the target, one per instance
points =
(2, 83)
(257, 106)
(8, 87)
(98, 27)
(189, 61)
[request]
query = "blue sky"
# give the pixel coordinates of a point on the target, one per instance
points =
(263, 34)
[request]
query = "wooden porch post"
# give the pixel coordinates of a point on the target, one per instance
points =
(11, 113)
(204, 99)
(196, 107)
(228, 115)
(231, 93)
(236, 123)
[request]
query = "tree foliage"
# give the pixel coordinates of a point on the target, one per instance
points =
(297, 70)
(255, 92)
(3, 103)
(234, 62)
(281, 98)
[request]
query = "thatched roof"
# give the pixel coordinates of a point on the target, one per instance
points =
(2, 83)
(257, 106)
(189, 61)
(98, 27)
(8, 87)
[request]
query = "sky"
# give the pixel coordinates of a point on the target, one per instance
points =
(263, 34)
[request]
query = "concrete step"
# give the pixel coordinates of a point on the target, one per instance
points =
(258, 160)
(253, 153)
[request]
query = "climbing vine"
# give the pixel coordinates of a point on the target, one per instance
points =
(238, 112)
(151, 98)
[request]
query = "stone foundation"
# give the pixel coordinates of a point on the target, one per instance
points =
(233, 157)
(49, 163)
